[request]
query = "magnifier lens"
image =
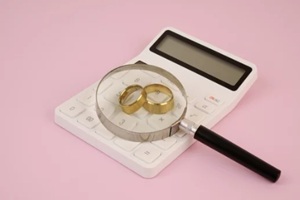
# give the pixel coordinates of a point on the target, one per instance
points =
(140, 103)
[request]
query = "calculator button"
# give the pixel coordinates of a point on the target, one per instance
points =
(107, 108)
(161, 121)
(113, 93)
(205, 106)
(87, 98)
(103, 132)
(72, 109)
(125, 144)
(213, 99)
(165, 143)
(136, 77)
(88, 119)
(180, 134)
(104, 85)
(147, 153)
(195, 115)
(125, 121)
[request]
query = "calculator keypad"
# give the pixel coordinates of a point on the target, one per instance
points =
(82, 109)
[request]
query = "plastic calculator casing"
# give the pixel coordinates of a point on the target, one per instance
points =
(208, 103)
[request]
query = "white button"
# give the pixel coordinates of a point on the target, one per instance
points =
(147, 153)
(72, 108)
(195, 115)
(106, 107)
(125, 121)
(125, 144)
(113, 93)
(161, 121)
(88, 98)
(102, 131)
(165, 143)
(213, 99)
(205, 106)
(137, 77)
(88, 119)
(180, 134)
(105, 84)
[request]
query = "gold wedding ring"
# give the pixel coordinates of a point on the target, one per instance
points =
(137, 104)
(158, 107)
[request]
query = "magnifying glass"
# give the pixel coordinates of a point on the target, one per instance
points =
(149, 103)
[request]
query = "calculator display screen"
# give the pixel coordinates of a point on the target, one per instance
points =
(201, 59)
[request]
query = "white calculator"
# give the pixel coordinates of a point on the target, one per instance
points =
(214, 80)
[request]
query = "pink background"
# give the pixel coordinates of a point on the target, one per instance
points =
(51, 50)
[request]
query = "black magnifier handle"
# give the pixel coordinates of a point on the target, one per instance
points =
(236, 153)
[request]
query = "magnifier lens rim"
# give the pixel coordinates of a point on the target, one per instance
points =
(141, 136)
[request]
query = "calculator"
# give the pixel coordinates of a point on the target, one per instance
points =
(214, 80)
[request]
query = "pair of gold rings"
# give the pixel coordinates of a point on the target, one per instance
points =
(143, 101)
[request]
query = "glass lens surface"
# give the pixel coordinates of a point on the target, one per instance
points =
(141, 120)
